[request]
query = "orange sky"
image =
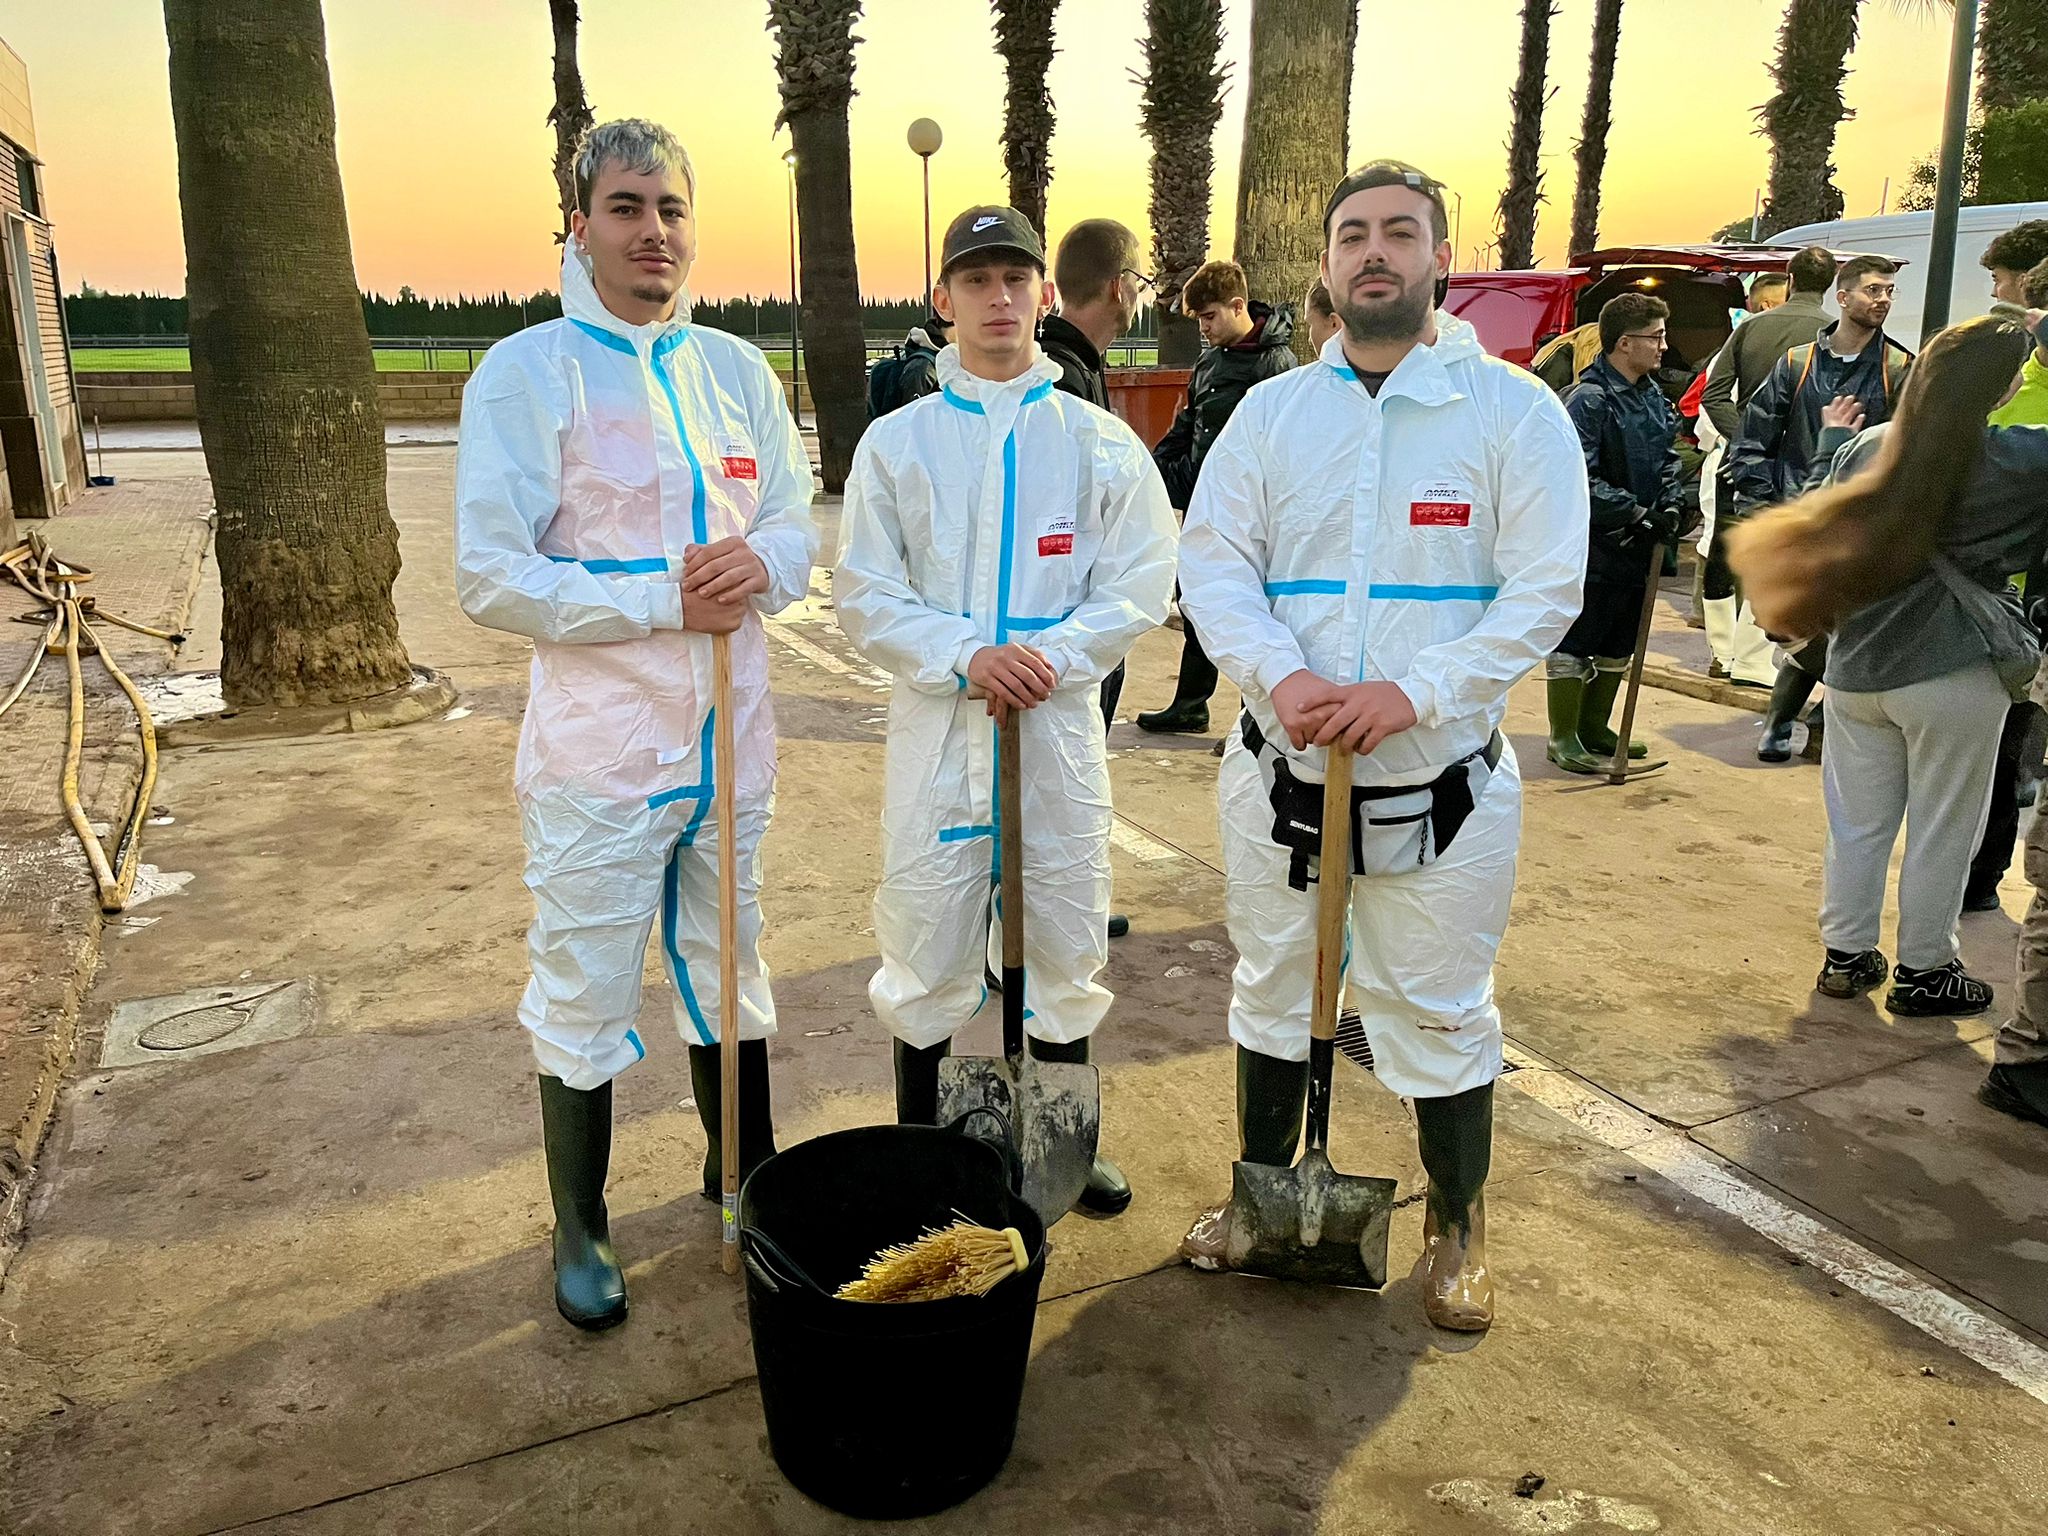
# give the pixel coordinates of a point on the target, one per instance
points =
(445, 150)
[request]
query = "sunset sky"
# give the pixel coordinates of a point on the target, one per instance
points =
(445, 148)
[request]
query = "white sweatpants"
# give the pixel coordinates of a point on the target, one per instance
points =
(1922, 754)
(1421, 943)
(601, 873)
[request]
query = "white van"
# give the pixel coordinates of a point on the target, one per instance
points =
(1907, 237)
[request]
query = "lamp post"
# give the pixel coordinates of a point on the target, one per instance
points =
(1948, 180)
(796, 355)
(925, 139)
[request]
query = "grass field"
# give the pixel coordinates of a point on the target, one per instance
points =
(175, 359)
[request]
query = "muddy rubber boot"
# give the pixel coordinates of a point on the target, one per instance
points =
(1567, 699)
(1271, 1097)
(1455, 1135)
(1788, 696)
(1189, 718)
(1108, 1192)
(576, 1130)
(757, 1125)
(1598, 709)
(917, 1082)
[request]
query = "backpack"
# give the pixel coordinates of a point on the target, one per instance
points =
(1801, 358)
(885, 384)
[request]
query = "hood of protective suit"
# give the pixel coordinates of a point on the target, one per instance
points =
(956, 380)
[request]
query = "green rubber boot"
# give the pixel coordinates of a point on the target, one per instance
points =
(576, 1129)
(1108, 1192)
(917, 1082)
(1567, 696)
(1594, 714)
(1455, 1136)
(757, 1126)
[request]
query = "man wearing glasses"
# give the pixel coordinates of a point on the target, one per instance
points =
(1628, 433)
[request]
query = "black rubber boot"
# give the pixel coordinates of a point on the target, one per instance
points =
(1788, 696)
(917, 1082)
(1455, 1136)
(1595, 735)
(1108, 1192)
(1567, 700)
(576, 1129)
(757, 1124)
(1271, 1097)
(1190, 718)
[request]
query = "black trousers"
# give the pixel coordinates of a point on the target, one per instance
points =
(1112, 690)
(2002, 825)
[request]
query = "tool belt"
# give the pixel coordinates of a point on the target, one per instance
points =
(1381, 814)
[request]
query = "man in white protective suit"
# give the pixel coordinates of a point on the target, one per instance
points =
(627, 486)
(1004, 545)
(1382, 544)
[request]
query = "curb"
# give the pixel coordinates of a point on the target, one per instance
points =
(430, 693)
(1712, 690)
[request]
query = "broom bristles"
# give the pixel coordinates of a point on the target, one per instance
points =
(960, 1260)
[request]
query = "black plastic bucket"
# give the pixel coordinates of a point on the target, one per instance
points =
(884, 1410)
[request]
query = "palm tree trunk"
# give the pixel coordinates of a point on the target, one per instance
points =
(1024, 39)
(814, 60)
(571, 116)
(1524, 190)
(2012, 54)
(1181, 102)
(1592, 149)
(1813, 54)
(281, 366)
(1296, 118)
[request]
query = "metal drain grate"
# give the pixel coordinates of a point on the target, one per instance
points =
(206, 1020)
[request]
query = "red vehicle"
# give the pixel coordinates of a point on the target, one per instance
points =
(1516, 312)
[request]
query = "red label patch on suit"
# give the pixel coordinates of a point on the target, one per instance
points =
(1056, 544)
(738, 469)
(1440, 514)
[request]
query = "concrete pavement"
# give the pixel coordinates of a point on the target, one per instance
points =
(301, 1287)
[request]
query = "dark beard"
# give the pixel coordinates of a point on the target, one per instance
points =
(1402, 318)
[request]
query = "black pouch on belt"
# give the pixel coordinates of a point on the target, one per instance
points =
(1437, 808)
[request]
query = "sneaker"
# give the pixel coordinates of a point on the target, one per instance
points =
(2021, 1092)
(1946, 992)
(1716, 671)
(1851, 975)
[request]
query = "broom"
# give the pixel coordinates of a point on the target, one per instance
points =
(960, 1260)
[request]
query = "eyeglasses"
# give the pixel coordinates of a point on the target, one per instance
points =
(1658, 337)
(1145, 284)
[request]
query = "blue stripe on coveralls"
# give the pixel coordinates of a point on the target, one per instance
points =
(672, 876)
(1431, 594)
(651, 564)
(1299, 588)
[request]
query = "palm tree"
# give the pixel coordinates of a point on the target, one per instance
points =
(1181, 102)
(814, 62)
(1297, 116)
(2012, 54)
(281, 366)
(1592, 148)
(571, 115)
(1524, 190)
(1024, 39)
(1814, 42)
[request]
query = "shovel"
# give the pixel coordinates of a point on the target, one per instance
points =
(1310, 1222)
(724, 792)
(1052, 1109)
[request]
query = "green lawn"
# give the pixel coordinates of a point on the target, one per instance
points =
(174, 359)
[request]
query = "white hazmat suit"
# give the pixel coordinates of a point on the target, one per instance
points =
(986, 513)
(593, 455)
(1434, 537)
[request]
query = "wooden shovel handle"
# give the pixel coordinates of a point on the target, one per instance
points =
(723, 793)
(1333, 891)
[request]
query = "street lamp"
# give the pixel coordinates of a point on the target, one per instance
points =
(1948, 179)
(796, 356)
(925, 139)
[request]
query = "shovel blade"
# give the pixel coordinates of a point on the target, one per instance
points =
(1054, 1110)
(1309, 1223)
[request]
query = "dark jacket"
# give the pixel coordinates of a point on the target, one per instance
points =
(919, 375)
(1751, 353)
(1629, 434)
(1079, 363)
(1921, 631)
(1770, 458)
(1221, 378)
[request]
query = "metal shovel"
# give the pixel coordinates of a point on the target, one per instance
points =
(1310, 1222)
(1053, 1109)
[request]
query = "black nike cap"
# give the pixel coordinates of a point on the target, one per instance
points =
(990, 227)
